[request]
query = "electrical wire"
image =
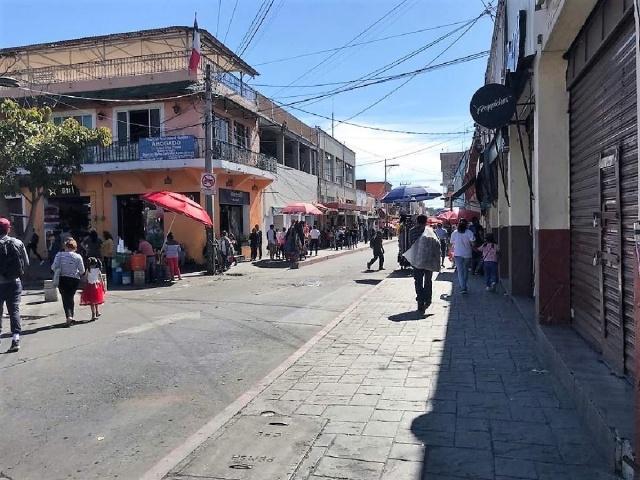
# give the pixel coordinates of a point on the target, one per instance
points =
(218, 19)
(115, 100)
(252, 25)
(233, 13)
(358, 44)
(259, 24)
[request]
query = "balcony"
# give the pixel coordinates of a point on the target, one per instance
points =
(131, 67)
(122, 152)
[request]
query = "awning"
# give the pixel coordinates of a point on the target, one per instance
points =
(462, 189)
(343, 206)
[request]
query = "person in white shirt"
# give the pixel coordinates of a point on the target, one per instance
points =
(315, 239)
(172, 254)
(462, 240)
(70, 268)
(271, 242)
(443, 236)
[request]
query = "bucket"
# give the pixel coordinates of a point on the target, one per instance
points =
(138, 263)
(126, 278)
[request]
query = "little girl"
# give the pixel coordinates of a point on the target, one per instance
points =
(490, 258)
(93, 292)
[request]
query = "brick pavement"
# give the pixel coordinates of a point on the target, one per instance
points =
(457, 395)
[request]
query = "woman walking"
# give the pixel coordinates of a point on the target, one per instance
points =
(69, 267)
(489, 252)
(107, 253)
(93, 293)
(462, 241)
(172, 254)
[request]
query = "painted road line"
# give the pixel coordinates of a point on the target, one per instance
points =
(178, 454)
(176, 317)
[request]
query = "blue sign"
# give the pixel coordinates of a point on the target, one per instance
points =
(168, 148)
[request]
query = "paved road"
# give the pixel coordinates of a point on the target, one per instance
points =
(108, 399)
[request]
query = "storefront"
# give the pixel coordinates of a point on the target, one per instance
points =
(601, 80)
(234, 212)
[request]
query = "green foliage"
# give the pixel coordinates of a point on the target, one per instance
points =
(36, 154)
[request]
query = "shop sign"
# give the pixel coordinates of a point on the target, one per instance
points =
(65, 188)
(493, 105)
(208, 184)
(233, 197)
(167, 148)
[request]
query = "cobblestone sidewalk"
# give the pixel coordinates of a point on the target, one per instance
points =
(456, 395)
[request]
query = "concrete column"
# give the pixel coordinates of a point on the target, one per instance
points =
(551, 190)
(307, 159)
(520, 242)
(280, 148)
(296, 155)
(500, 228)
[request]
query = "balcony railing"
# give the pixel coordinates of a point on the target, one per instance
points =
(120, 152)
(131, 66)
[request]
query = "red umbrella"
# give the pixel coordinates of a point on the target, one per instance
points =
(433, 220)
(178, 203)
(302, 208)
(454, 216)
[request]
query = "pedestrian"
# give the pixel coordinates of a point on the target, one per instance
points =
(443, 236)
(259, 245)
(68, 268)
(489, 251)
(478, 232)
(13, 262)
(226, 251)
(253, 243)
(172, 255)
(93, 245)
(314, 234)
(280, 234)
(462, 240)
(424, 256)
(272, 242)
(292, 246)
(93, 291)
(378, 251)
(146, 249)
(32, 247)
(107, 251)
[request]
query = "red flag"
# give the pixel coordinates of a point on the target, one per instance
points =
(194, 60)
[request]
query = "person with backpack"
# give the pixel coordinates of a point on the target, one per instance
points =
(13, 262)
(378, 251)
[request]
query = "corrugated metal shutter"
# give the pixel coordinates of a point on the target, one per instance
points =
(604, 199)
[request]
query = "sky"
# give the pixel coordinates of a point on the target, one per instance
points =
(436, 101)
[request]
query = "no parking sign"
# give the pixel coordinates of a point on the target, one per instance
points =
(208, 184)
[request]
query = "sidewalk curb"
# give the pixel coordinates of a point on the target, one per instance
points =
(313, 260)
(164, 466)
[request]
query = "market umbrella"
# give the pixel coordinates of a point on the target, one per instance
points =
(454, 216)
(179, 204)
(410, 193)
(433, 220)
(301, 208)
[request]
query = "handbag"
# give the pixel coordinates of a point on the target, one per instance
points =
(56, 277)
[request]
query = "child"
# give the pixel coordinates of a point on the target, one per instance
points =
(489, 251)
(93, 292)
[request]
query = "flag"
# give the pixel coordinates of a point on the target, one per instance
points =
(194, 59)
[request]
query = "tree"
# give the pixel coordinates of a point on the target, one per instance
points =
(37, 156)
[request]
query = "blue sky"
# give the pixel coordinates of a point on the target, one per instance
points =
(436, 101)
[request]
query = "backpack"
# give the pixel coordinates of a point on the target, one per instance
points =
(371, 242)
(11, 259)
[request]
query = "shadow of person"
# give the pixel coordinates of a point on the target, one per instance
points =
(409, 316)
(31, 331)
(271, 264)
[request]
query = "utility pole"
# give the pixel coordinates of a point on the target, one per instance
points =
(208, 167)
(386, 207)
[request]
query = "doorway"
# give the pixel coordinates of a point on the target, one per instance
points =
(130, 220)
(232, 219)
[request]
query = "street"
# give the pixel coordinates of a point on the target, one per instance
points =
(109, 399)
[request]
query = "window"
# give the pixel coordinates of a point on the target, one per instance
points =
(339, 171)
(328, 167)
(221, 126)
(241, 135)
(348, 175)
(84, 120)
(132, 125)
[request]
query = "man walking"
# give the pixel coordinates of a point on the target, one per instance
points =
(13, 261)
(259, 235)
(443, 236)
(378, 251)
(271, 242)
(424, 256)
(315, 239)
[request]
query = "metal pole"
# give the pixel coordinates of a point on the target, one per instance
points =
(208, 166)
(384, 188)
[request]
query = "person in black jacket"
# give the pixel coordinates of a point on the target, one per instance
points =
(378, 251)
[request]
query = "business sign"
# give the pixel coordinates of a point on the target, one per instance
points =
(493, 105)
(168, 148)
(208, 184)
(233, 197)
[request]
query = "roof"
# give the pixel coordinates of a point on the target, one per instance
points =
(206, 37)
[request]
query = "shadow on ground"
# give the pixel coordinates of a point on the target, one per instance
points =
(368, 281)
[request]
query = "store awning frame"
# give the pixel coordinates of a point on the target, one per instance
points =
(462, 189)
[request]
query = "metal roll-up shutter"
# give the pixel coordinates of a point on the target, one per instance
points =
(604, 198)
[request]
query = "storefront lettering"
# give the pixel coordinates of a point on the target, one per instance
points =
(498, 103)
(167, 148)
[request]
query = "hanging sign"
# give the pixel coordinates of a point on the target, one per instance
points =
(168, 148)
(208, 184)
(493, 105)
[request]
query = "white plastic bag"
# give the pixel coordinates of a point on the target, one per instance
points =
(425, 251)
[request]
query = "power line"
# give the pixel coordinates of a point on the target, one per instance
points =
(344, 47)
(326, 59)
(259, 24)
(218, 19)
(233, 12)
(114, 100)
(252, 25)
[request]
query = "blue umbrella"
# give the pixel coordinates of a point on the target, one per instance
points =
(410, 193)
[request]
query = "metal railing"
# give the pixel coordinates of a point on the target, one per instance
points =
(130, 66)
(128, 152)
